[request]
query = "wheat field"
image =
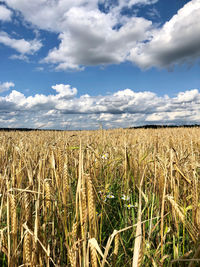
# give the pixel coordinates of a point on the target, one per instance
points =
(123, 197)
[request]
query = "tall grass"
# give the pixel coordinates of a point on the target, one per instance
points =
(100, 198)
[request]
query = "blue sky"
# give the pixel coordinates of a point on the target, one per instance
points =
(77, 64)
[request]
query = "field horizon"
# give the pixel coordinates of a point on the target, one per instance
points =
(145, 126)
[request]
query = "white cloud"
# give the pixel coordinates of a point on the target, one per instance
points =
(49, 14)
(88, 36)
(121, 109)
(91, 40)
(15, 97)
(19, 57)
(6, 86)
(64, 90)
(137, 2)
(20, 45)
(187, 96)
(105, 117)
(40, 101)
(177, 42)
(5, 13)
(155, 117)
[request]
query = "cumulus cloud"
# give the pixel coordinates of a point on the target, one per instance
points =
(65, 90)
(90, 39)
(187, 96)
(88, 36)
(97, 32)
(5, 14)
(64, 110)
(20, 45)
(176, 42)
(6, 86)
(52, 15)
(40, 101)
(49, 14)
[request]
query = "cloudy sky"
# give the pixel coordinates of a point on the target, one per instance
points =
(76, 64)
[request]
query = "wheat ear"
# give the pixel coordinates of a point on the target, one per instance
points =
(91, 206)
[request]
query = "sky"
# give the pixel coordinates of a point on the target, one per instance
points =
(82, 64)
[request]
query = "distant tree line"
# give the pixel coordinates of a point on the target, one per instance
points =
(148, 126)
(156, 126)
